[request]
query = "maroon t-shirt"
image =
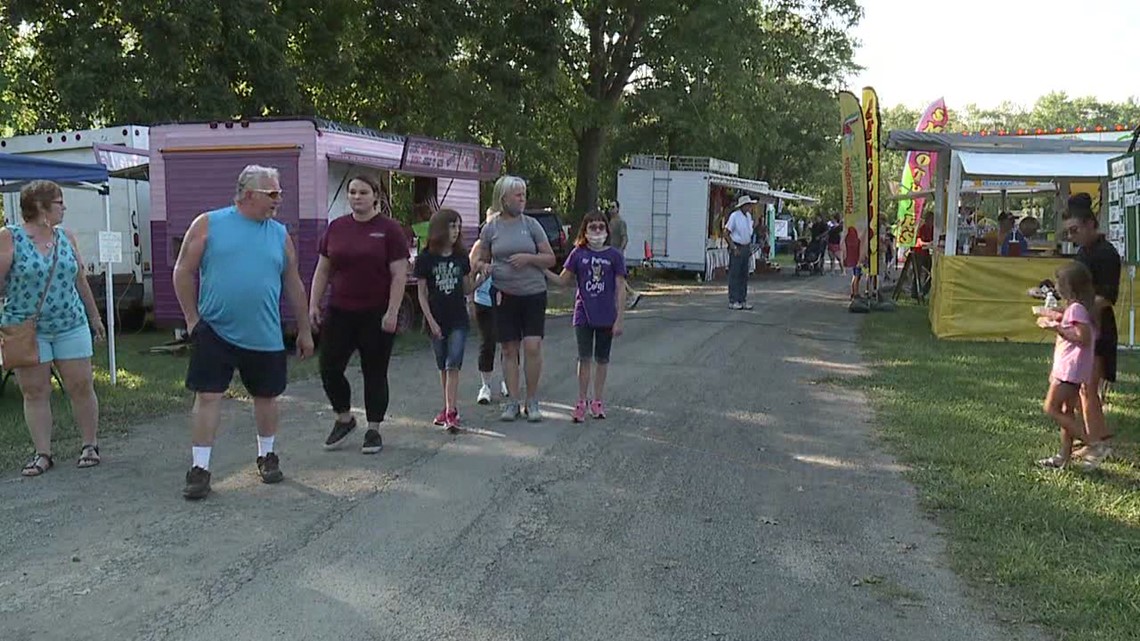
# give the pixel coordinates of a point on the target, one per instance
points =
(359, 254)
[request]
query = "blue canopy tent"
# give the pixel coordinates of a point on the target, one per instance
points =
(17, 170)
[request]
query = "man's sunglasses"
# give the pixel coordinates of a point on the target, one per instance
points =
(272, 193)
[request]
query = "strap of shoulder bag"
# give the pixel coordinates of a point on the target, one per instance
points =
(51, 274)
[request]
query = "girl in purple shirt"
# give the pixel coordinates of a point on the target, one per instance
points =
(599, 307)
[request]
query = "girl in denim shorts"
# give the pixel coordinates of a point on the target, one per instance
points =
(445, 280)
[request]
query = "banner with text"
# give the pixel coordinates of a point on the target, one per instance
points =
(871, 125)
(853, 147)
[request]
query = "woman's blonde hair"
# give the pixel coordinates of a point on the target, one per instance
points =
(504, 186)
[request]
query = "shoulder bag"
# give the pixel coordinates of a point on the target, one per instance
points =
(18, 345)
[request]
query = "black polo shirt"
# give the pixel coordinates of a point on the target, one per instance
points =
(1103, 261)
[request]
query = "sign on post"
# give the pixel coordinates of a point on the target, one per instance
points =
(111, 252)
(1124, 223)
(110, 247)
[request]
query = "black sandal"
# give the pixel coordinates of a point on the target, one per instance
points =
(35, 467)
(88, 457)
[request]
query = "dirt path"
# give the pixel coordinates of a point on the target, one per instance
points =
(728, 496)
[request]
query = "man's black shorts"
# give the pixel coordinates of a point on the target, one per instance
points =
(213, 361)
(519, 317)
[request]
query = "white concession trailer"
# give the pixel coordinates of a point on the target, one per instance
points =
(674, 207)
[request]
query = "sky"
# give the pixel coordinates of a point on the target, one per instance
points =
(991, 51)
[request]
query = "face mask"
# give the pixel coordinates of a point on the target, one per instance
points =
(596, 239)
(513, 209)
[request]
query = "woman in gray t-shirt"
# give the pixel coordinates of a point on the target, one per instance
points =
(514, 250)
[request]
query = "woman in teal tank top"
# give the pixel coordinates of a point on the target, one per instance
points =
(65, 324)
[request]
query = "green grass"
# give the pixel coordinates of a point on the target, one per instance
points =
(150, 386)
(1057, 549)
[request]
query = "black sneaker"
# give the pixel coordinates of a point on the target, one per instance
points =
(269, 467)
(197, 484)
(340, 431)
(372, 442)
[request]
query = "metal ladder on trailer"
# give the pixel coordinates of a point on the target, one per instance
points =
(659, 211)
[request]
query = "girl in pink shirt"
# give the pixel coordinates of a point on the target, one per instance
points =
(1072, 356)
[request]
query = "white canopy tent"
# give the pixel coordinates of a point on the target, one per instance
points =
(1020, 158)
(1057, 168)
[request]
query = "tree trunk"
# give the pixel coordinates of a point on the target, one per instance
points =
(590, 142)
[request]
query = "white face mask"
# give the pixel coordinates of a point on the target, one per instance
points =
(596, 239)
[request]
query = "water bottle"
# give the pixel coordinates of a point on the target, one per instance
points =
(1051, 301)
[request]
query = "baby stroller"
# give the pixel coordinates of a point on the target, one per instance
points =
(810, 255)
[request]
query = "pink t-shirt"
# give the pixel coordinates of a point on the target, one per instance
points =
(1072, 362)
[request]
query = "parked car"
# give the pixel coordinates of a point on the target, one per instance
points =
(555, 232)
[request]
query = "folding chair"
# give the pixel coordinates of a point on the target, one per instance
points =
(9, 373)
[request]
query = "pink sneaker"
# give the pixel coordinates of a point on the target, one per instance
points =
(579, 414)
(452, 421)
(441, 418)
(597, 409)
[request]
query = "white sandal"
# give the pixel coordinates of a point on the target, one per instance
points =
(1055, 462)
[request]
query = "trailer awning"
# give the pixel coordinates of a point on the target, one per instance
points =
(123, 162)
(754, 187)
(1047, 166)
(362, 158)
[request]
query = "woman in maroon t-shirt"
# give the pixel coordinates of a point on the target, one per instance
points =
(364, 258)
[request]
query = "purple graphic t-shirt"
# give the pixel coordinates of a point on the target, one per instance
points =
(595, 304)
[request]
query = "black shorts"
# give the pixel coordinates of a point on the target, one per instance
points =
(213, 361)
(594, 343)
(519, 317)
(1105, 347)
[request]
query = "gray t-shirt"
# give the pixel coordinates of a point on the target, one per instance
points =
(507, 237)
(618, 234)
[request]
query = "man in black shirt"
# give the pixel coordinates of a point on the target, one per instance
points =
(1103, 261)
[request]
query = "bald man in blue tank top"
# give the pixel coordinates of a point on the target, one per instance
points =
(242, 258)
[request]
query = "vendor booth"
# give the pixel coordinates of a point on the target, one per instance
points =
(983, 297)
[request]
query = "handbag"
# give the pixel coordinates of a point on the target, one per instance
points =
(18, 344)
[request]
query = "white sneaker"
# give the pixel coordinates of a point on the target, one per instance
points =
(484, 397)
(503, 388)
(735, 306)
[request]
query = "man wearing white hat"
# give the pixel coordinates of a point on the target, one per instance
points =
(738, 231)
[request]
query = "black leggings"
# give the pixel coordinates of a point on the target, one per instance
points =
(485, 318)
(343, 333)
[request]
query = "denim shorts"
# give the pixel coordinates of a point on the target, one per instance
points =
(63, 346)
(449, 349)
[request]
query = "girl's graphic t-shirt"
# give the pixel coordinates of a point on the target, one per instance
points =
(595, 304)
(1073, 363)
(446, 298)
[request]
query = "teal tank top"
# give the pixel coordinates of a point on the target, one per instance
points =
(239, 290)
(63, 309)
